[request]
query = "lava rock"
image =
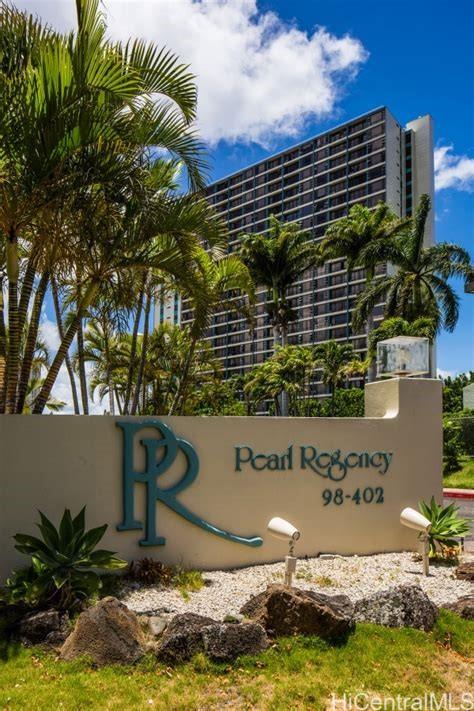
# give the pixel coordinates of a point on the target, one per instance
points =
(398, 606)
(108, 633)
(182, 638)
(465, 571)
(157, 625)
(48, 626)
(224, 642)
(284, 611)
(464, 607)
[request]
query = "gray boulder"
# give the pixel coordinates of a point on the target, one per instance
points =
(108, 633)
(464, 607)
(48, 626)
(399, 606)
(157, 625)
(224, 642)
(182, 638)
(284, 611)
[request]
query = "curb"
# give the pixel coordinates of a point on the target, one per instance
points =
(459, 493)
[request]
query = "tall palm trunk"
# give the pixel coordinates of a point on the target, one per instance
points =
(26, 290)
(372, 372)
(133, 349)
(3, 350)
(13, 364)
(284, 394)
(180, 396)
(31, 339)
(70, 370)
(108, 373)
(50, 379)
(81, 367)
(143, 355)
(117, 399)
(333, 398)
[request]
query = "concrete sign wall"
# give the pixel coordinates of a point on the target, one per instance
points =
(200, 491)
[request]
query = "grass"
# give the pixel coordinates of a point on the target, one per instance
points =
(462, 479)
(188, 581)
(322, 581)
(298, 673)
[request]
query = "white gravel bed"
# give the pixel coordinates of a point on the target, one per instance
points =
(356, 576)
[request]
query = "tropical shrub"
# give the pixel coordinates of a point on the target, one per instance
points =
(467, 431)
(149, 571)
(348, 402)
(452, 391)
(453, 446)
(446, 525)
(63, 565)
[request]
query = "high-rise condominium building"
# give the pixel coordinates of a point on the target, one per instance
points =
(369, 159)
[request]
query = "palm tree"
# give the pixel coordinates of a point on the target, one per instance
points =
(276, 260)
(363, 238)
(333, 359)
(102, 350)
(77, 113)
(222, 282)
(419, 285)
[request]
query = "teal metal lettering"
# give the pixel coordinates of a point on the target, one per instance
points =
(155, 468)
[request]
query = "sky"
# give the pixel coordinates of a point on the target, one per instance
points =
(273, 72)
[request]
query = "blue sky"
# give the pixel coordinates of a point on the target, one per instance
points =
(273, 72)
(421, 61)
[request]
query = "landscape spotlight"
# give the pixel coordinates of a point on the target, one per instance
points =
(414, 519)
(280, 528)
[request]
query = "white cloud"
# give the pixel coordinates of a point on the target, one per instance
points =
(453, 171)
(62, 387)
(440, 373)
(258, 77)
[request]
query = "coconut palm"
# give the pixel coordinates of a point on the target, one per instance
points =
(216, 282)
(276, 260)
(363, 238)
(333, 358)
(418, 287)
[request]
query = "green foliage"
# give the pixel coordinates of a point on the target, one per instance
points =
(453, 445)
(348, 402)
(307, 670)
(446, 525)
(63, 564)
(458, 438)
(336, 362)
(419, 285)
(467, 431)
(276, 260)
(217, 397)
(188, 581)
(149, 571)
(389, 328)
(289, 369)
(452, 391)
(463, 478)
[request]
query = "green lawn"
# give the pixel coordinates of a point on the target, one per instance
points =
(462, 479)
(297, 673)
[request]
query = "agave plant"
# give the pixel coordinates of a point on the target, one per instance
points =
(446, 525)
(63, 565)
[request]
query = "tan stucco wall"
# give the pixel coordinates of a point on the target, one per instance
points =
(57, 461)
